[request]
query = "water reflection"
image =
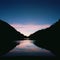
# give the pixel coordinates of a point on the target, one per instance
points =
(26, 47)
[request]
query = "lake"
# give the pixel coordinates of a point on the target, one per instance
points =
(27, 48)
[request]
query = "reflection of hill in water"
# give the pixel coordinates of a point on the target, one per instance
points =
(28, 49)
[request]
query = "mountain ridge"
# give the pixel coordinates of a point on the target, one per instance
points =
(8, 36)
(48, 38)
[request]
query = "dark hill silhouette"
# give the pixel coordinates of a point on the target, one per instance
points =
(7, 37)
(48, 38)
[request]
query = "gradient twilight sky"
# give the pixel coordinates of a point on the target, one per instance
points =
(23, 13)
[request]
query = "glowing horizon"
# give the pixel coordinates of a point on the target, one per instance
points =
(29, 28)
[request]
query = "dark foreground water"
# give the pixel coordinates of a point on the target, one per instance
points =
(27, 48)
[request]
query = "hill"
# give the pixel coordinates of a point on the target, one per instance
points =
(8, 36)
(48, 38)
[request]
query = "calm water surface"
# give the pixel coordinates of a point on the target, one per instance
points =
(27, 48)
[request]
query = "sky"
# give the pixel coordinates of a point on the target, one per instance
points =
(28, 16)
